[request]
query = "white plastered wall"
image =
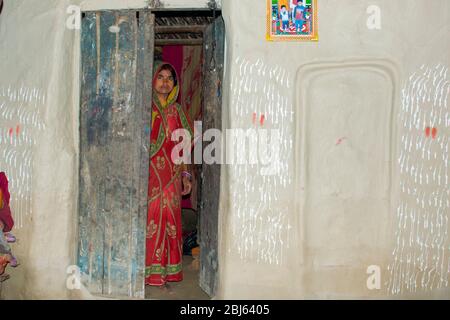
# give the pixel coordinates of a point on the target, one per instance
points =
(309, 232)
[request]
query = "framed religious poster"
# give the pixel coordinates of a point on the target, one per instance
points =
(292, 20)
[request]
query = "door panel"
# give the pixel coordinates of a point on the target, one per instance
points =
(214, 48)
(114, 144)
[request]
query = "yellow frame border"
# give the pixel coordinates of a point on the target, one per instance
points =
(312, 37)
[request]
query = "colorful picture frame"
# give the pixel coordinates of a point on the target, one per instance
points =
(292, 20)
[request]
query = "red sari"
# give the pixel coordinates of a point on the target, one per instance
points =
(164, 235)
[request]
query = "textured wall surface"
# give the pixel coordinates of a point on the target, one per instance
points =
(362, 180)
(337, 209)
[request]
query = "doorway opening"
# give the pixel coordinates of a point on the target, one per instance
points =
(184, 40)
(118, 48)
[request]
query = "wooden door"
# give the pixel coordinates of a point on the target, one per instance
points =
(117, 63)
(214, 49)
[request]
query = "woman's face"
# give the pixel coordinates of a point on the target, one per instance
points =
(164, 82)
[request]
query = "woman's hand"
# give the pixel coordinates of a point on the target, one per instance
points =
(187, 186)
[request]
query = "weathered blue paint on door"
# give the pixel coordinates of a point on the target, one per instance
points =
(114, 144)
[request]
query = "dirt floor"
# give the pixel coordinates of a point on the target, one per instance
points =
(188, 289)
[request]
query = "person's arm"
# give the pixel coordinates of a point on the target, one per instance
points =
(186, 174)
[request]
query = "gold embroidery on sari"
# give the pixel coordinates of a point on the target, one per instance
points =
(171, 230)
(160, 163)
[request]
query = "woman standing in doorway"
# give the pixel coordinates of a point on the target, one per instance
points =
(168, 182)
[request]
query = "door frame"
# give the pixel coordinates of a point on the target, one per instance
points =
(101, 5)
